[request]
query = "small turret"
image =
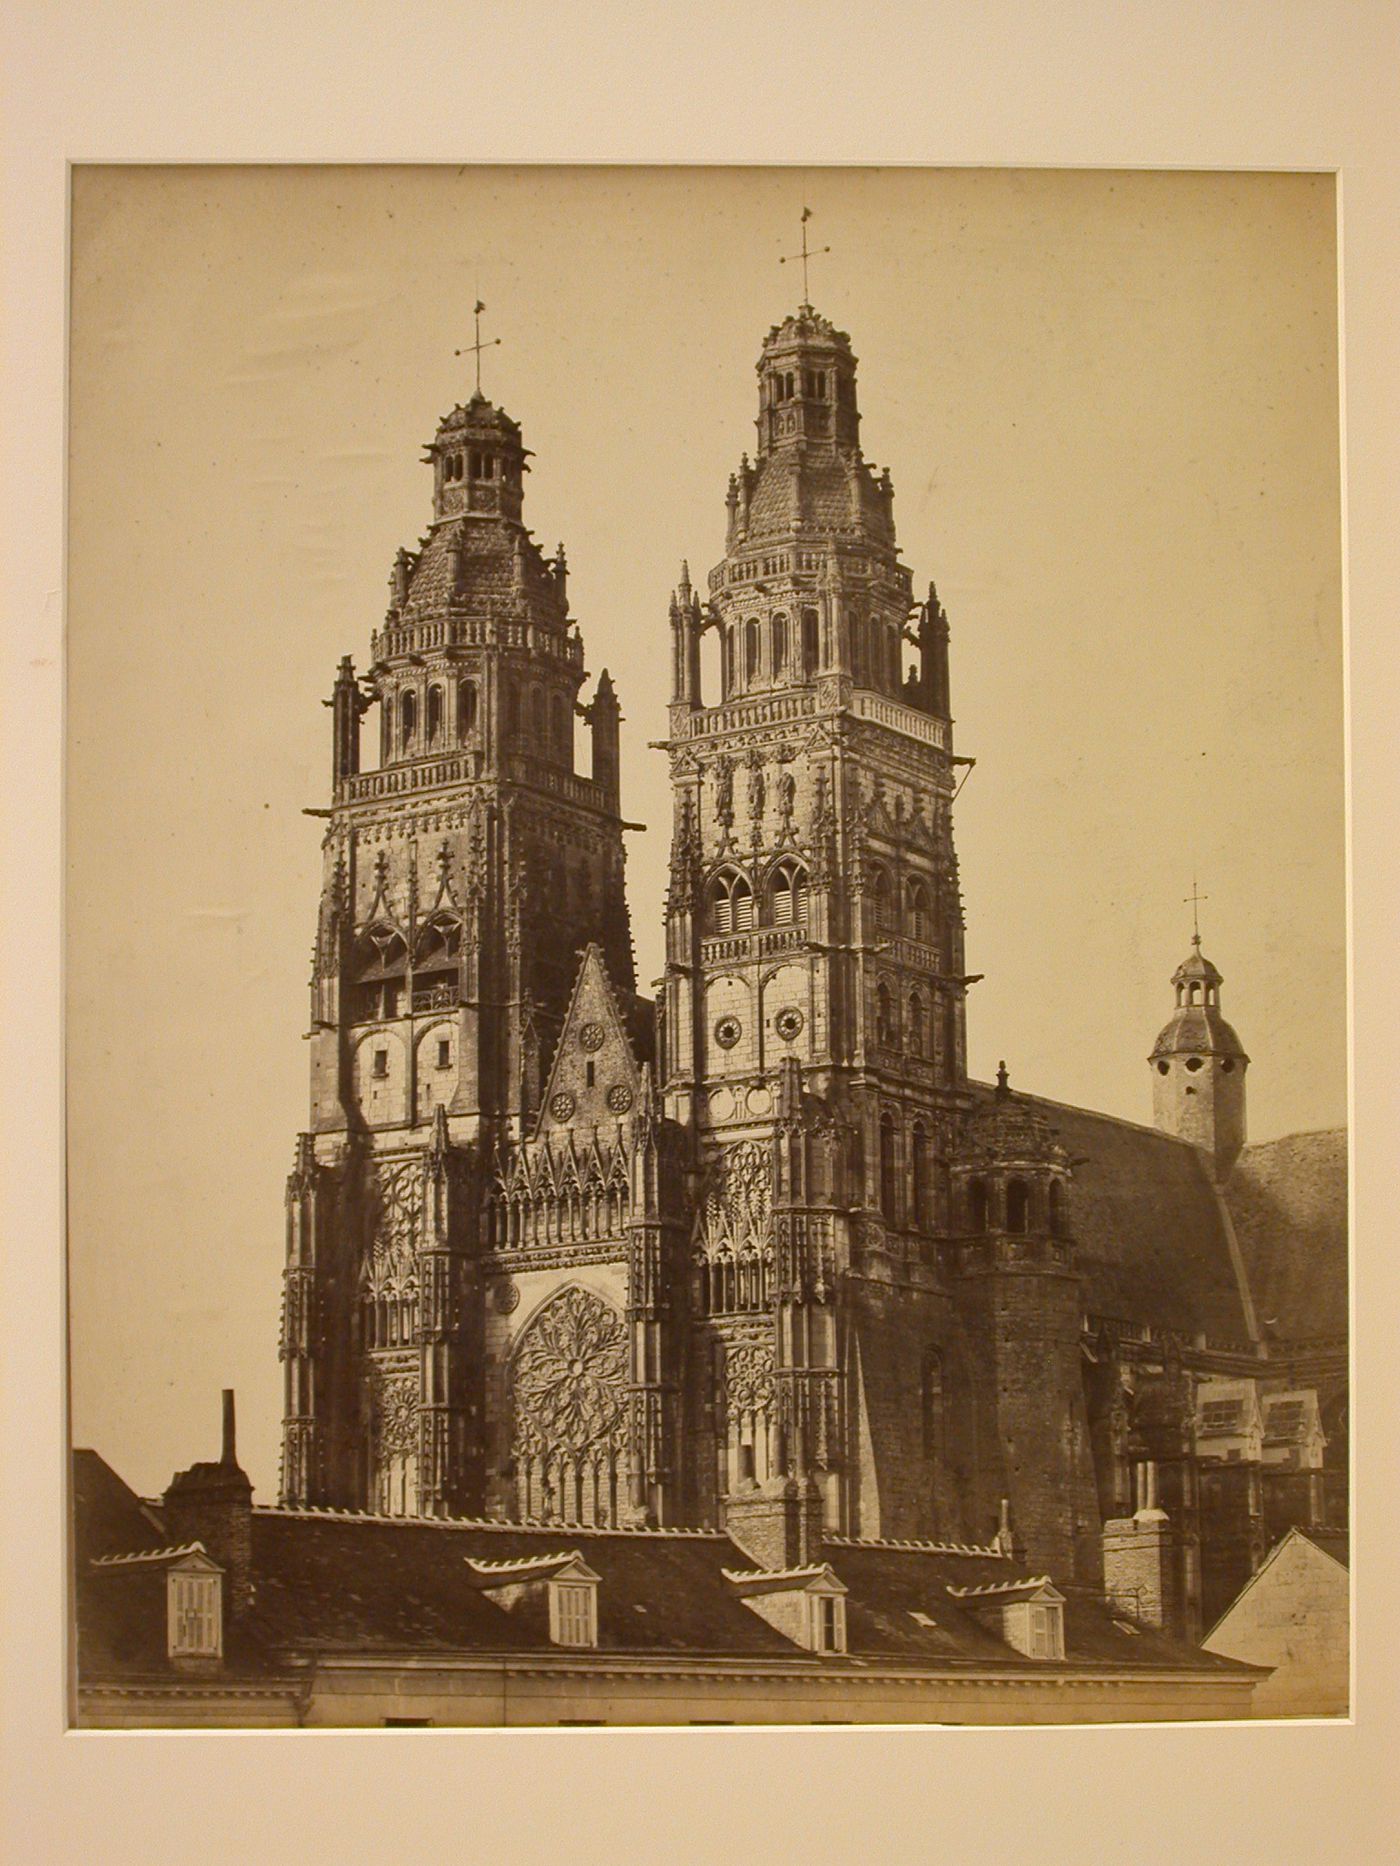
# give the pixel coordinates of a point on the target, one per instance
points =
(605, 715)
(1198, 1067)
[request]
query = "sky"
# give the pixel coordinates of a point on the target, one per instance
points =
(1109, 406)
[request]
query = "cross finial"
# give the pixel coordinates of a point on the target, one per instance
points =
(475, 349)
(1194, 898)
(806, 254)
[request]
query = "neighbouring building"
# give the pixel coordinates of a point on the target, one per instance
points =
(1293, 1619)
(561, 1255)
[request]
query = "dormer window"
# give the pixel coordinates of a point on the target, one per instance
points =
(1036, 1628)
(195, 1615)
(573, 1613)
(806, 1605)
(828, 1623)
(1029, 1615)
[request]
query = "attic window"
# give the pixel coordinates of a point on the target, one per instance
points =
(828, 1623)
(195, 1603)
(573, 1613)
(1035, 1628)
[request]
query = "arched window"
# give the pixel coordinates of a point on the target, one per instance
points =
(933, 1404)
(731, 904)
(788, 893)
(780, 645)
(1057, 1208)
(950, 1040)
(889, 1185)
(882, 894)
(918, 1176)
(884, 1016)
(977, 1205)
(1018, 1205)
(810, 641)
(408, 719)
(434, 714)
(731, 665)
(917, 1024)
(466, 708)
(751, 651)
(561, 729)
(918, 909)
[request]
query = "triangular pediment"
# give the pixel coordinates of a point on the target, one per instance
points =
(594, 1080)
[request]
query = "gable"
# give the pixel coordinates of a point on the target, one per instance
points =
(594, 1080)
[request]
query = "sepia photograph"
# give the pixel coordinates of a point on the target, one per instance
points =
(706, 948)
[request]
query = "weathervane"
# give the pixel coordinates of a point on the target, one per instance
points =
(1195, 897)
(475, 349)
(804, 255)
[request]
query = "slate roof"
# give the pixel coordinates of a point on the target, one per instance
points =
(1333, 1542)
(816, 491)
(334, 1583)
(1288, 1201)
(1152, 1241)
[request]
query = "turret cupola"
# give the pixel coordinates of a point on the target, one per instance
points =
(1198, 1066)
(478, 462)
(1011, 1176)
(806, 385)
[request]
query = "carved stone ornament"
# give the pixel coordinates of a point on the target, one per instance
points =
(728, 1032)
(592, 1037)
(570, 1380)
(735, 1215)
(619, 1098)
(507, 1296)
(748, 1377)
(788, 1023)
(392, 1261)
(395, 1403)
(561, 1106)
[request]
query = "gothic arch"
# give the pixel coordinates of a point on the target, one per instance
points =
(786, 891)
(569, 1408)
(730, 899)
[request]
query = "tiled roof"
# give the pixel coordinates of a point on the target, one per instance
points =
(816, 490)
(1334, 1542)
(1288, 1201)
(1152, 1242)
(338, 1583)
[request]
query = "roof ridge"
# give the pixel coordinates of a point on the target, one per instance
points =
(139, 1555)
(1095, 1114)
(334, 1513)
(1000, 1587)
(932, 1548)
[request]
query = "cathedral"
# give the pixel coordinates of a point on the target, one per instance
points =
(757, 1252)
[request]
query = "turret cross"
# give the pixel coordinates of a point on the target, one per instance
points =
(806, 254)
(475, 349)
(1194, 899)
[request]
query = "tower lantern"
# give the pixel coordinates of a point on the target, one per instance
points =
(1198, 1066)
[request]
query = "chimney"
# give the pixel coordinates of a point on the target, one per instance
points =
(1139, 1560)
(213, 1504)
(778, 1525)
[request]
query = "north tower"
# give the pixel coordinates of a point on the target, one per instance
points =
(463, 879)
